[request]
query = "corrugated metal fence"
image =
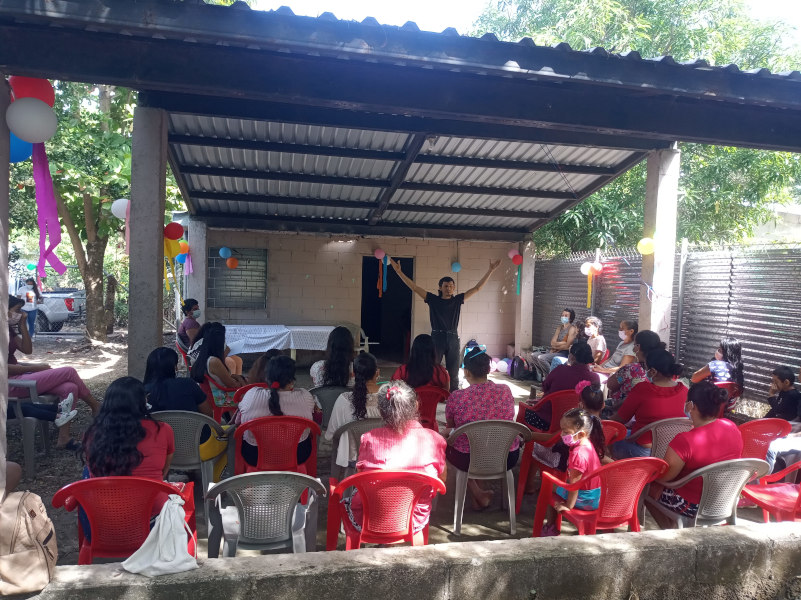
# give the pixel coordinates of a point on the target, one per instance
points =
(750, 293)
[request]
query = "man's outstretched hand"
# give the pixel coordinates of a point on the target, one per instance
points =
(495, 264)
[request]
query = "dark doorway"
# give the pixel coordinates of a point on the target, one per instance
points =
(387, 321)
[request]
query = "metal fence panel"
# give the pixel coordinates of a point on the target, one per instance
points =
(617, 295)
(558, 284)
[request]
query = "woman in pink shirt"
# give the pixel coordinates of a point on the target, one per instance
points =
(401, 444)
(711, 440)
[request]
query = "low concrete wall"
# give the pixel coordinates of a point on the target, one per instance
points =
(754, 562)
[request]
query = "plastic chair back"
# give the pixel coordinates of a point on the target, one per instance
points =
(240, 392)
(734, 392)
(353, 431)
(428, 397)
(622, 483)
(613, 432)
(663, 432)
(277, 440)
(182, 352)
(187, 428)
(758, 434)
(723, 483)
(220, 398)
(327, 396)
(489, 445)
(561, 402)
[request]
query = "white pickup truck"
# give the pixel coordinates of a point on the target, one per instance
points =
(57, 307)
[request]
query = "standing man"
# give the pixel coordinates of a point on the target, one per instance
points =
(444, 310)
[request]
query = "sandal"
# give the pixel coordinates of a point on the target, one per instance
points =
(72, 446)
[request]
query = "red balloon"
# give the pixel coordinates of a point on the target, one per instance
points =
(517, 259)
(173, 231)
(232, 263)
(30, 87)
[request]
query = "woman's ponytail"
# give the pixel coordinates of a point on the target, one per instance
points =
(597, 436)
(275, 402)
(280, 373)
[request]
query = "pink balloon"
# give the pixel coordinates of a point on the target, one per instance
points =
(512, 253)
(379, 254)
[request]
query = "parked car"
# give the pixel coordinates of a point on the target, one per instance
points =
(52, 317)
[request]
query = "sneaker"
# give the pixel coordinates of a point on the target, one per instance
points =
(65, 406)
(64, 418)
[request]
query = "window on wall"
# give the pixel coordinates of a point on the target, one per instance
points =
(243, 287)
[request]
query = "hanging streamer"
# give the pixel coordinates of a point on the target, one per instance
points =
(47, 209)
(384, 260)
(589, 290)
(188, 269)
(519, 275)
(169, 262)
(380, 283)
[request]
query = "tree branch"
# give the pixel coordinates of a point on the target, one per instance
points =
(72, 231)
(89, 217)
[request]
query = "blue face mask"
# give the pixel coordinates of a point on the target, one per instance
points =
(565, 320)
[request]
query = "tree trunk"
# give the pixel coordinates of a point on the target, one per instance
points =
(111, 292)
(93, 282)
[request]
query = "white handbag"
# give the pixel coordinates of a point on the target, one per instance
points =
(165, 549)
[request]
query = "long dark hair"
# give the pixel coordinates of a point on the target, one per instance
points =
(35, 287)
(110, 442)
(364, 369)
(584, 421)
(422, 360)
(161, 364)
(663, 362)
(707, 398)
(280, 371)
(258, 372)
(732, 354)
(213, 345)
(339, 354)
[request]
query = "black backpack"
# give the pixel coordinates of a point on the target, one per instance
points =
(520, 369)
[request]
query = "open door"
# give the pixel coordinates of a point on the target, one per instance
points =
(387, 321)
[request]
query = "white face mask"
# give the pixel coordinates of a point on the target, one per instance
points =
(196, 314)
(588, 331)
(14, 318)
(30, 287)
(718, 355)
(622, 335)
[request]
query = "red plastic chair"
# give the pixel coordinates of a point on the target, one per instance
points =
(613, 432)
(734, 392)
(183, 355)
(240, 392)
(781, 500)
(119, 510)
(561, 402)
(388, 499)
(622, 483)
(428, 396)
(758, 434)
(605, 357)
(219, 398)
(278, 439)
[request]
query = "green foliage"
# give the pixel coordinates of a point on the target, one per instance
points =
(724, 192)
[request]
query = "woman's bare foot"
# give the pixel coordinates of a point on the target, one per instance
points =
(483, 501)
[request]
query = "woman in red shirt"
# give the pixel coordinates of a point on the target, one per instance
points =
(422, 368)
(661, 397)
(711, 440)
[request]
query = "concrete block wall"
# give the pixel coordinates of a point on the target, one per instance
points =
(317, 279)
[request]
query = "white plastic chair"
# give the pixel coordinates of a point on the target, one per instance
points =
(723, 483)
(351, 434)
(266, 515)
(29, 424)
(326, 396)
(489, 449)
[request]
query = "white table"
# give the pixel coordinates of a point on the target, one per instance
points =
(243, 339)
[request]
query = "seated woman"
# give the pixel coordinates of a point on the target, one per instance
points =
(711, 440)
(337, 368)
(281, 399)
(660, 397)
(258, 371)
(563, 377)
(629, 375)
(727, 365)
(168, 392)
(624, 353)
(361, 403)
(63, 382)
(592, 335)
(189, 327)
(480, 401)
(422, 368)
(403, 443)
(211, 356)
(232, 363)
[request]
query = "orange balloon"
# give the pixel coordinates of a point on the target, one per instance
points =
(184, 247)
(232, 263)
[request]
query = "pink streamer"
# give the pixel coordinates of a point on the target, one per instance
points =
(49, 226)
(188, 264)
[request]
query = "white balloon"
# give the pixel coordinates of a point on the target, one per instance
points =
(501, 367)
(31, 120)
(119, 208)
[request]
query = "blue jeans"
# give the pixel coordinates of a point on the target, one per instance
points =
(779, 447)
(31, 317)
(557, 361)
(627, 449)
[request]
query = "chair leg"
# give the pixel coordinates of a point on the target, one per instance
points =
(509, 482)
(85, 554)
(29, 446)
(206, 474)
(310, 531)
(458, 501)
(525, 467)
(44, 426)
(229, 546)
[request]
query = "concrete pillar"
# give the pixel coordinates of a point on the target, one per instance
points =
(524, 315)
(196, 282)
(5, 95)
(661, 201)
(148, 191)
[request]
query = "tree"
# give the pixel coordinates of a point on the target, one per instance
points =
(723, 192)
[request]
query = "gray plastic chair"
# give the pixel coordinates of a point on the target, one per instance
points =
(266, 515)
(352, 433)
(187, 426)
(29, 424)
(723, 483)
(327, 396)
(489, 449)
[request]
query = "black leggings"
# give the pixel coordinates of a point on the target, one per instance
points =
(447, 344)
(251, 453)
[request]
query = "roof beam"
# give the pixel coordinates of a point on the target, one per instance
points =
(413, 148)
(480, 190)
(514, 165)
(280, 176)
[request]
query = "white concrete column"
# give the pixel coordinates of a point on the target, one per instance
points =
(5, 98)
(148, 192)
(661, 202)
(524, 315)
(198, 248)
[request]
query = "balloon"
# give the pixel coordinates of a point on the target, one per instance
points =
(493, 365)
(171, 248)
(645, 246)
(181, 258)
(119, 208)
(512, 253)
(31, 266)
(379, 254)
(173, 231)
(517, 259)
(20, 150)
(232, 263)
(456, 267)
(31, 120)
(501, 367)
(184, 247)
(596, 268)
(225, 252)
(30, 87)
(585, 268)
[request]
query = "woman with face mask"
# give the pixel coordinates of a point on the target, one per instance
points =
(624, 353)
(727, 365)
(30, 294)
(564, 336)
(628, 376)
(187, 330)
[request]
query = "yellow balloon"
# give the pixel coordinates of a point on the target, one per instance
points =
(171, 248)
(645, 246)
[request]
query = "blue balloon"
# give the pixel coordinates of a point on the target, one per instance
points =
(225, 252)
(456, 267)
(180, 258)
(20, 149)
